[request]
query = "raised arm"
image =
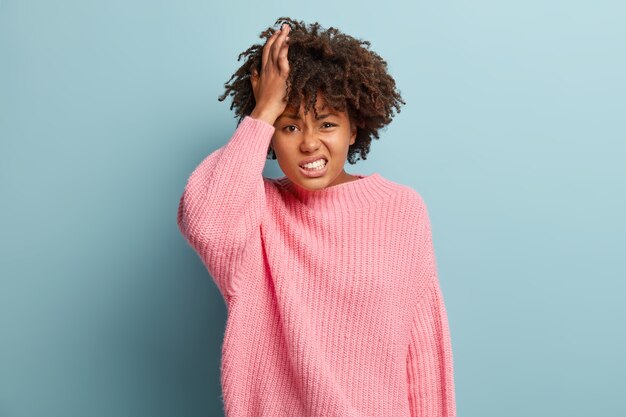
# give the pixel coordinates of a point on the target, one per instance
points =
(224, 201)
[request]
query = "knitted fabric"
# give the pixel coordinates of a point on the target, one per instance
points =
(334, 305)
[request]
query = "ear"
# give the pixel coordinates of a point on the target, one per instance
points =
(254, 78)
(352, 134)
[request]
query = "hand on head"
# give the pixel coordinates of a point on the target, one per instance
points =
(270, 86)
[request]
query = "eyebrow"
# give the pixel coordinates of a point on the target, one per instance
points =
(297, 116)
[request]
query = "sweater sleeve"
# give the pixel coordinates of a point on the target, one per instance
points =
(429, 359)
(224, 201)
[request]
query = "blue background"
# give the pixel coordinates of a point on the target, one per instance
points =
(513, 133)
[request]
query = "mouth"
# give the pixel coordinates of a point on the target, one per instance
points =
(316, 164)
(314, 169)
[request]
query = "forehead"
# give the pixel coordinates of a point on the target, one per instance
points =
(320, 105)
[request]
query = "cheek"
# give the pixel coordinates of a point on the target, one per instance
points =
(283, 151)
(277, 146)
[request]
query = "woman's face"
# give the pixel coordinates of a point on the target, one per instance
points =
(299, 138)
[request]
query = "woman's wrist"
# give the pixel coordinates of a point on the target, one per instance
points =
(263, 115)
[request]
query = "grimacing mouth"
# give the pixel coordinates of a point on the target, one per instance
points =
(301, 164)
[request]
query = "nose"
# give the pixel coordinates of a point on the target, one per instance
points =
(310, 142)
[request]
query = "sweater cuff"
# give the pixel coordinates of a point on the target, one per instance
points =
(263, 123)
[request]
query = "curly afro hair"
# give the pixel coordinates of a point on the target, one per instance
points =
(350, 77)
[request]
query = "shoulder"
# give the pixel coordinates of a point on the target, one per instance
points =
(406, 193)
(413, 205)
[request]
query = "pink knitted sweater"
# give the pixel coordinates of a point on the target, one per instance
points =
(334, 305)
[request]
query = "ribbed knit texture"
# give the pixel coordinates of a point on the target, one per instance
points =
(334, 305)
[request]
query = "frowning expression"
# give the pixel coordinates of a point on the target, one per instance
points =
(322, 142)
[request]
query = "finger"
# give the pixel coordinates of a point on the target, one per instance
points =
(277, 46)
(267, 47)
(283, 61)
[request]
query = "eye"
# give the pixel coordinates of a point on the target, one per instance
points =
(289, 130)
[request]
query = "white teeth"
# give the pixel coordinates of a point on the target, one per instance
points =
(320, 163)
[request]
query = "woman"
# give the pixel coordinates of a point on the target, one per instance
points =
(330, 279)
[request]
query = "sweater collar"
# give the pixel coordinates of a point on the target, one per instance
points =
(364, 191)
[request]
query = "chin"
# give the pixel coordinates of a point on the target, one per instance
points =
(312, 183)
